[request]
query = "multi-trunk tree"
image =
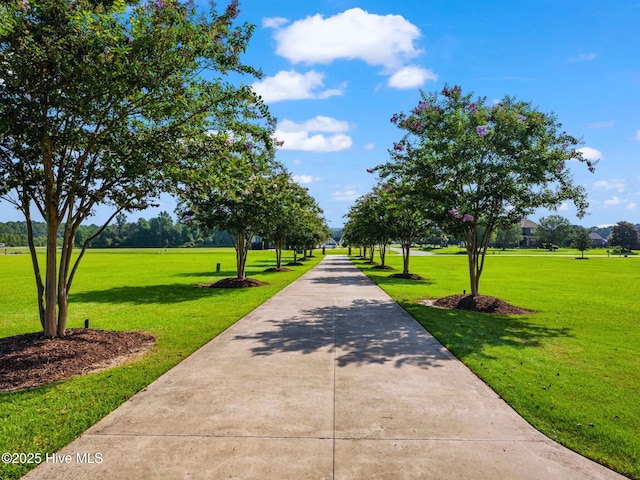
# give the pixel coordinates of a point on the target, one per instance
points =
(234, 194)
(478, 166)
(99, 103)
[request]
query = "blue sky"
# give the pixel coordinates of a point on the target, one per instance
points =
(337, 70)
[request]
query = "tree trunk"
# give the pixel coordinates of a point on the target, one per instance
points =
(34, 261)
(472, 257)
(406, 251)
(383, 253)
(278, 255)
(51, 276)
(241, 255)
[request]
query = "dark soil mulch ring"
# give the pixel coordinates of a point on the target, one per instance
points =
(382, 267)
(409, 276)
(31, 360)
(276, 269)
(294, 264)
(479, 303)
(232, 282)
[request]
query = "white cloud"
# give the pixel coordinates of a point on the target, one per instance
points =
(612, 202)
(346, 196)
(383, 40)
(305, 179)
(584, 57)
(411, 77)
(369, 147)
(274, 22)
(614, 184)
(632, 206)
(304, 136)
(291, 85)
(591, 153)
(605, 124)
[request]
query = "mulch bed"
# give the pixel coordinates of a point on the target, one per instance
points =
(479, 303)
(382, 267)
(409, 276)
(30, 360)
(275, 269)
(235, 283)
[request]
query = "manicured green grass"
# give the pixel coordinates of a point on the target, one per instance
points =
(570, 252)
(572, 368)
(150, 290)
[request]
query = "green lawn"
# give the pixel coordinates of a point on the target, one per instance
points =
(151, 290)
(572, 369)
(571, 252)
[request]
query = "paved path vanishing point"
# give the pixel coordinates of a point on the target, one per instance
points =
(329, 379)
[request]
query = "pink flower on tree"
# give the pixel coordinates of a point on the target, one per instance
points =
(467, 218)
(482, 130)
(398, 147)
(455, 213)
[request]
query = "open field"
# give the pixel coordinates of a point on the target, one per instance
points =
(572, 368)
(152, 290)
(560, 252)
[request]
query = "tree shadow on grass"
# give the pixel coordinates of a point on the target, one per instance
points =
(208, 274)
(467, 333)
(150, 294)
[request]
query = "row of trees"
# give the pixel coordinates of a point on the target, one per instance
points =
(159, 232)
(467, 168)
(113, 102)
(558, 231)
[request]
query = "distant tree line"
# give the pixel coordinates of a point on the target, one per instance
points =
(157, 232)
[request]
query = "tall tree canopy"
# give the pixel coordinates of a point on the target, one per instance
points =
(479, 166)
(101, 103)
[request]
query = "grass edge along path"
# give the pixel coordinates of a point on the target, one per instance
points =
(151, 290)
(571, 369)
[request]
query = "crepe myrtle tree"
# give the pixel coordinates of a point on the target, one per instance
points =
(97, 103)
(234, 194)
(290, 204)
(309, 229)
(406, 220)
(365, 226)
(374, 210)
(479, 166)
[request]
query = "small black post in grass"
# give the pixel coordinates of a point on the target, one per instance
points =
(217, 268)
(86, 323)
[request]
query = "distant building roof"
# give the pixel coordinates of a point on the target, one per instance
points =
(595, 236)
(526, 223)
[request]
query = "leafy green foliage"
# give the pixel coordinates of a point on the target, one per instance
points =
(581, 240)
(554, 230)
(475, 167)
(102, 104)
(625, 235)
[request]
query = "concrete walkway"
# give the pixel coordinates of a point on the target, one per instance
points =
(330, 379)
